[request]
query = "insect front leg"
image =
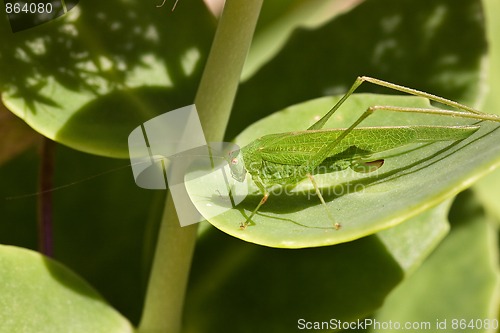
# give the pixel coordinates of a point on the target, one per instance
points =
(263, 189)
(244, 225)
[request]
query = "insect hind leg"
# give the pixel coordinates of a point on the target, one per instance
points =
(336, 225)
(323, 152)
(416, 92)
(361, 79)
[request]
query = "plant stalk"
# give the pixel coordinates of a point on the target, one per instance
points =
(175, 246)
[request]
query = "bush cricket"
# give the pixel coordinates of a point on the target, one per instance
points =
(288, 158)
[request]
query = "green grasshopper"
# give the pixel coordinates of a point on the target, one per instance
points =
(288, 158)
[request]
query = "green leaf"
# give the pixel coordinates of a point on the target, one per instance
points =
(437, 46)
(41, 295)
(104, 225)
(243, 281)
(459, 281)
(492, 15)
(488, 189)
(412, 179)
(88, 78)
(278, 20)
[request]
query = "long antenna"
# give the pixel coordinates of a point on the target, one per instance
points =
(173, 8)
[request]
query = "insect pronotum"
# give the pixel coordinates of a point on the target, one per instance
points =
(288, 158)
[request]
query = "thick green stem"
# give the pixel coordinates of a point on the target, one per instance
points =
(224, 66)
(169, 275)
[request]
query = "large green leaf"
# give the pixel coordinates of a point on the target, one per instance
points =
(88, 78)
(40, 295)
(412, 179)
(457, 286)
(245, 281)
(488, 188)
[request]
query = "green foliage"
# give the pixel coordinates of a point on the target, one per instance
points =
(40, 295)
(412, 179)
(88, 78)
(349, 281)
(433, 288)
